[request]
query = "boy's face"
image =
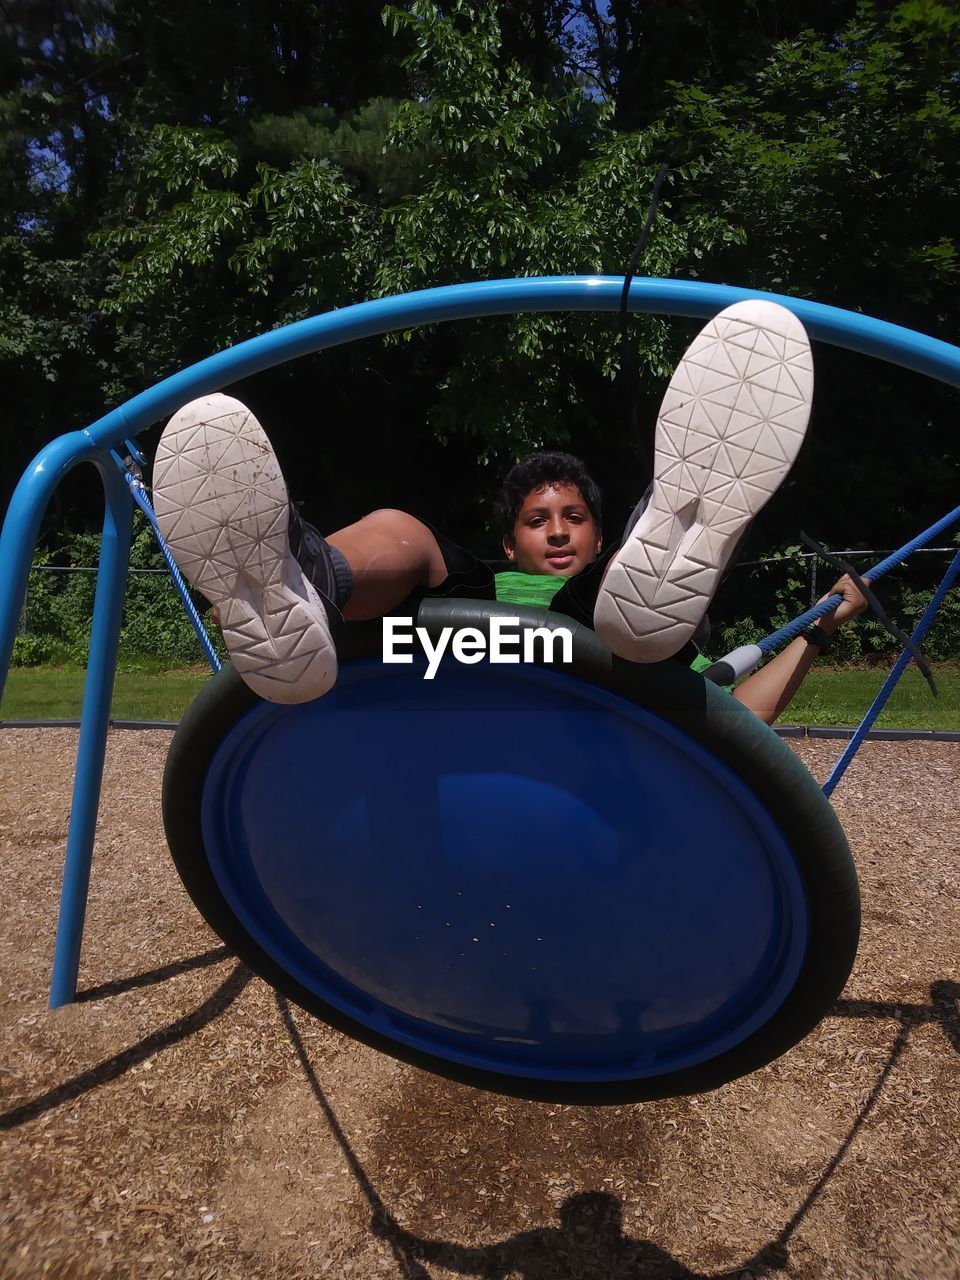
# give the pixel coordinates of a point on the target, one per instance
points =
(554, 533)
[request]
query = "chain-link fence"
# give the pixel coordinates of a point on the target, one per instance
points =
(758, 596)
(23, 626)
(821, 576)
(54, 624)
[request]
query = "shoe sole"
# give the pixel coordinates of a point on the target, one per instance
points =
(732, 422)
(221, 504)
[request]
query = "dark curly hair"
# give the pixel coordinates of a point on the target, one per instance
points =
(534, 472)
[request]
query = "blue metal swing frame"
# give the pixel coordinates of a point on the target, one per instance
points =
(846, 329)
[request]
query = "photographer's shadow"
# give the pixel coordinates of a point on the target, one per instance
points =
(589, 1244)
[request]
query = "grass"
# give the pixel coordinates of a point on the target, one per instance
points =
(832, 696)
(56, 693)
(837, 696)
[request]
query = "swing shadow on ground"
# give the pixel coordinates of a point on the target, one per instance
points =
(589, 1241)
(151, 977)
(151, 1045)
(590, 1231)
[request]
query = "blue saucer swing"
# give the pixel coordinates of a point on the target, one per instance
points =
(590, 882)
(600, 883)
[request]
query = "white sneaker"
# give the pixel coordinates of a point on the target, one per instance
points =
(221, 504)
(731, 424)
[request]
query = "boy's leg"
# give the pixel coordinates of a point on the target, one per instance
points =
(397, 560)
(389, 555)
(731, 424)
(222, 506)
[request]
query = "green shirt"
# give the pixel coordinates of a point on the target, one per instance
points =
(534, 589)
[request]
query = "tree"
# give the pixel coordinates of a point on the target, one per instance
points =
(182, 175)
(836, 157)
(82, 87)
(635, 51)
(505, 178)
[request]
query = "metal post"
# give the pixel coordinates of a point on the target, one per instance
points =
(94, 722)
(840, 768)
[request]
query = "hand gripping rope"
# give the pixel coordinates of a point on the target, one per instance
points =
(741, 661)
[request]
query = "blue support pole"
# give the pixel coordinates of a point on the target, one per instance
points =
(17, 543)
(840, 768)
(94, 722)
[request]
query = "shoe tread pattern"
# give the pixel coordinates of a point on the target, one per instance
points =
(732, 422)
(221, 504)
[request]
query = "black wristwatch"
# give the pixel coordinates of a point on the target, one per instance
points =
(816, 635)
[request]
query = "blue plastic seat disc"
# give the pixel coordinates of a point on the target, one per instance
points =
(520, 873)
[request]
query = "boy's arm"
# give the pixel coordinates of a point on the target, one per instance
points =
(767, 692)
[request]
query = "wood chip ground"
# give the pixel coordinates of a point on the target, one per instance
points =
(180, 1121)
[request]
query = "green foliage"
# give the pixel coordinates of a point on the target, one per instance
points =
(489, 176)
(30, 651)
(524, 183)
(356, 141)
(155, 625)
(177, 177)
(836, 153)
(772, 593)
(942, 640)
(155, 630)
(294, 236)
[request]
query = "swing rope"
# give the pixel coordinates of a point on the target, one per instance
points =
(130, 470)
(879, 612)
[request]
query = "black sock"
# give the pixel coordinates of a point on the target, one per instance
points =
(324, 567)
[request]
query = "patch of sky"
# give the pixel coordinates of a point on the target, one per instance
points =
(579, 44)
(49, 170)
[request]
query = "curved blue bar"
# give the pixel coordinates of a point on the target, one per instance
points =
(506, 297)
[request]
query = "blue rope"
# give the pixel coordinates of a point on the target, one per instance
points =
(139, 495)
(794, 628)
(840, 768)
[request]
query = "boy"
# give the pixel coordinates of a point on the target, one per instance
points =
(731, 424)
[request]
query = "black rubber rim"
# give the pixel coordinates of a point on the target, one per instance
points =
(684, 699)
